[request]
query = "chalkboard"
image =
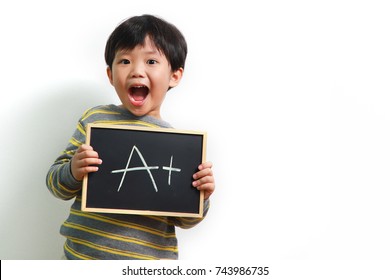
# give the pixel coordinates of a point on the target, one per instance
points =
(145, 171)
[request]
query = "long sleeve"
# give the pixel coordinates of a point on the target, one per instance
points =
(59, 179)
(186, 223)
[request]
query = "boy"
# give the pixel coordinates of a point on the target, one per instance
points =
(145, 58)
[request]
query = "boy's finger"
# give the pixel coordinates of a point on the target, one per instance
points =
(203, 173)
(203, 180)
(91, 161)
(205, 165)
(84, 147)
(90, 154)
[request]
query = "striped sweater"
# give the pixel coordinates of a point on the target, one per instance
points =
(111, 236)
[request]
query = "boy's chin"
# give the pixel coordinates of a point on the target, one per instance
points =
(138, 112)
(141, 112)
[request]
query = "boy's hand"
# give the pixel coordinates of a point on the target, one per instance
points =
(204, 179)
(83, 161)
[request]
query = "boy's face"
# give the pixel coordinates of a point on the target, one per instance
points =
(141, 78)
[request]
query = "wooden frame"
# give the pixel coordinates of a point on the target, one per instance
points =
(163, 161)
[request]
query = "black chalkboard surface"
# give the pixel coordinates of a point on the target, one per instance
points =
(145, 171)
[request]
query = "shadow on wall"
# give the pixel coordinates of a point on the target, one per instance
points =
(35, 135)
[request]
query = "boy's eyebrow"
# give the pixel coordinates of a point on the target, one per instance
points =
(154, 51)
(122, 54)
(126, 51)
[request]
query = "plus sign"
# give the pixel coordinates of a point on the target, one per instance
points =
(170, 169)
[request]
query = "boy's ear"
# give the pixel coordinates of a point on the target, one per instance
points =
(109, 74)
(176, 77)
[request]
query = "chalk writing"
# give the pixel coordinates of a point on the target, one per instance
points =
(170, 169)
(145, 167)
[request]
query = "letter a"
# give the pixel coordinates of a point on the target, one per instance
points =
(127, 169)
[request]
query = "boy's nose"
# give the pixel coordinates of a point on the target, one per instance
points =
(137, 70)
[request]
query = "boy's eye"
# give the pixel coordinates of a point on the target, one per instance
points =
(152, 61)
(125, 61)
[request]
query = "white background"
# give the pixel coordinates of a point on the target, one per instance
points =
(294, 96)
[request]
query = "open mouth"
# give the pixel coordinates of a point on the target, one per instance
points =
(138, 94)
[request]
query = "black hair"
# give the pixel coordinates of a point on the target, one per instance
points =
(133, 31)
